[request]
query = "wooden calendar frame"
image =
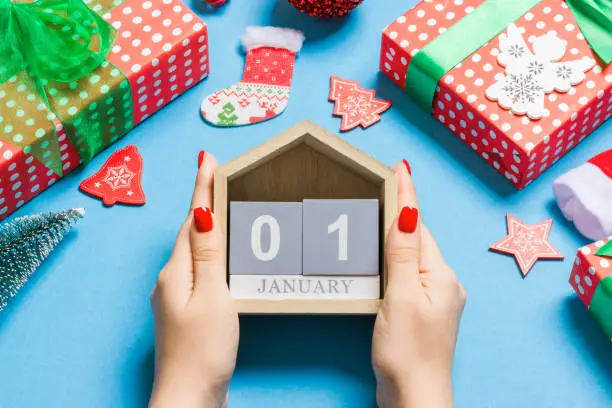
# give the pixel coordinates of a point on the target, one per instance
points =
(306, 161)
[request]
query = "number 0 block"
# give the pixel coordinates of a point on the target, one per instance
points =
(265, 238)
(340, 237)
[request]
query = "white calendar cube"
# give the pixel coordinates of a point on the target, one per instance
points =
(340, 237)
(265, 238)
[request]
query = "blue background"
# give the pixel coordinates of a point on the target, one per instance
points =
(81, 333)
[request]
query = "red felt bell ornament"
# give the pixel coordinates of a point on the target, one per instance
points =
(119, 180)
(325, 8)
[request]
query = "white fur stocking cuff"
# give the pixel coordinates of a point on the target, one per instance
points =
(255, 37)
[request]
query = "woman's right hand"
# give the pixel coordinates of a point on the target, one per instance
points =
(417, 325)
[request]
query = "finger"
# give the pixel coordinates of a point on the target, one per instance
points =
(175, 280)
(406, 193)
(432, 259)
(404, 239)
(207, 252)
(430, 252)
(203, 190)
(206, 238)
(182, 248)
(438, 273)
(181, 252)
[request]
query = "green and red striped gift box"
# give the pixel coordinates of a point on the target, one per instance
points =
(592, 279)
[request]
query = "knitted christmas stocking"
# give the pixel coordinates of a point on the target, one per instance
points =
(264, 90)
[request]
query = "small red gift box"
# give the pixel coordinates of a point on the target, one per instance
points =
(160, 51)
(591, 278)
(518, 125)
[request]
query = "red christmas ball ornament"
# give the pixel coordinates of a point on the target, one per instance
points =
(216, 3)
(325, 8)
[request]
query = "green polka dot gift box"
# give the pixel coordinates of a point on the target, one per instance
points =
(521, 82)
(591, 278)
(80, 75)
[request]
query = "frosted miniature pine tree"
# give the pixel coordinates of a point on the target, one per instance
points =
(25, 243)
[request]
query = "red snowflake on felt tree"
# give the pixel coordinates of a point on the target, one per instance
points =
(356, 106)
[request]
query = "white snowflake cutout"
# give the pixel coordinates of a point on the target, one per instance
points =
(567, 74)
(530, 76)
(514, 52)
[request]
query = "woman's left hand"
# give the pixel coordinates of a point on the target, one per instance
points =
(196, 324)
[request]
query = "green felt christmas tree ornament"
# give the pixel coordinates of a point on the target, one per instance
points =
(26, 242)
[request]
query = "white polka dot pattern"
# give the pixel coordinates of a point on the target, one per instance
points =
(162, 48)
(23, 177)
(519, 148)
(589, 270)
(165, 54)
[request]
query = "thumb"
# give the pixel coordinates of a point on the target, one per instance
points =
(205, 235)
(404, 239)
(207, 251)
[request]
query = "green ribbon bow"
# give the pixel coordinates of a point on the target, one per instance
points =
(492, 17)
(605, 250)
(55, 40)
(601, 305)
(51, 41)
(594, 17)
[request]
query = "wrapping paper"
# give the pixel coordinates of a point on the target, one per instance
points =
(161, 50)
(519, 147)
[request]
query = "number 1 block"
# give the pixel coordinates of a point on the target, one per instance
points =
(340, 237)
(265, 238)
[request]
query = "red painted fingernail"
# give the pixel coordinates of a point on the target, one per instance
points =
(203, 219)
(408, 220)
(201, 158)
(407, 166)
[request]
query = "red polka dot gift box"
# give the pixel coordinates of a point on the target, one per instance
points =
(519, 81)
(95, 70)
(591, 278)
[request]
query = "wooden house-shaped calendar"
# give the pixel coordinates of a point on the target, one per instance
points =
(307, 162)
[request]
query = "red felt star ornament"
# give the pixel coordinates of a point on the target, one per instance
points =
(356, 106)
(119, 179)
(527, 243)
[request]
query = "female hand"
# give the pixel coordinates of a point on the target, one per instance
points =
(416, 328)
(196, 324)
